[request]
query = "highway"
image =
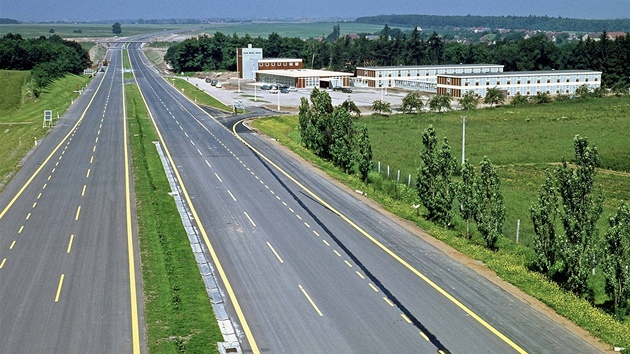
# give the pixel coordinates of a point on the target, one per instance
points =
(68, 252)
(310, 268)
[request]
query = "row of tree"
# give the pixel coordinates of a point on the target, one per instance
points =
(566, 242)
(543, 23)
(47, 58)
(341, 53)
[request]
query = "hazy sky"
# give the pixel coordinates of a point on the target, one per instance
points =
(80, 10)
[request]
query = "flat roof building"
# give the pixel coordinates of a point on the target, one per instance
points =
(419, 77)
(525, 83)
(304, 78)
(279, 64)
(247, 61)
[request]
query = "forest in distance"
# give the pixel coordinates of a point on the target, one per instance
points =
(341, 53)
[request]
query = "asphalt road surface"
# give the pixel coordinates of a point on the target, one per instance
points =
(67, 250)
(310, 268)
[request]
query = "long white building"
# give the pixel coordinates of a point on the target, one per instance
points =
(525, 83)
(415, 77)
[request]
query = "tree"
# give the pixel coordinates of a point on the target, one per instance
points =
(580, 212)
(466, 193)
(365, 153)
(544, 213)
(583, 91)
(412, 101)
(116, 28)
(52, 30)
(542, 97)
(341, 149)
(518, 100)
(381, 107)
(351, 107)
(433, 184)
(616, 260)
(494, 96)
(440, 102)
(490, 214)
(469, 100)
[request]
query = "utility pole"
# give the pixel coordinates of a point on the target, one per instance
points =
(463, 139)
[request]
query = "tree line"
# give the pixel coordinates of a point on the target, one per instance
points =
(543, 23)
(47, 58)
(218, 52)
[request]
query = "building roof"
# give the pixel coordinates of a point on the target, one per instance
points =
(429, 66)
(304, 73)
(525, 73)
(281, 60)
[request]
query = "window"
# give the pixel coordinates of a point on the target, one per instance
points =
(466, 83)
(548, 81)
(273, 64)
(508, 82)
(518, 82)
(587, 79)
(266, 64)
(558, 81)
(291, 64)
(488, 83)
(528, 82)
(577, 79)
(595, 79)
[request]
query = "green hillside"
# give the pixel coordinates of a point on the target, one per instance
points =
(21, 114)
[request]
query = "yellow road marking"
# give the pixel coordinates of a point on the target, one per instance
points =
(12, 244)
(360, 275)
(70, 244)
(83, 191)
(49, 177)
(28, 216)
(277, 197)
(92, 159)
(388, 301)
(373, 287)
(76, 217)
(311, 301)
(87, 175)
(21, 228)
(274, 252)
(348, 264)
(53, 170)
(337, 253)
(315, 232)
(96, 140)
(226, 282)
(39, 195)
(2, 263)
(57, 163)
(307, 225)
(405, 318)
(94, 148)
(299, 217)
(291, 210)
(135, 332)
(424, 336)
(326, 242)
(283, 203)
(250, 219)
(384, 248)
(59, 288)
(35, 204)
(44, 186)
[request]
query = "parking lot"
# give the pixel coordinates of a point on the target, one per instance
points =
(252, 95)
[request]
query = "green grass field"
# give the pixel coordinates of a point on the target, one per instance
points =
(21, 114)
(523, 142)
(301, 30)
(198, 95)
(87, 30)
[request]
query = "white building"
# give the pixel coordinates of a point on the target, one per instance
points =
(304, 78)
(247, 61)
(525, 83)
(421, 77)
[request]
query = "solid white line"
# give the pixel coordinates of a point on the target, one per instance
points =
(219, 178)
(250, 219)
(231, 195)
(274, 252)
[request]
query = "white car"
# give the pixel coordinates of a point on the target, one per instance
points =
(218, 85)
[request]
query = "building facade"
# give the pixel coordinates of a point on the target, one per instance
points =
(304, 78)
(279, 64)
(525, 83)
(415, 77)
(247, 61)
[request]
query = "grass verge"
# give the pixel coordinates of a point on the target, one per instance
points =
(21, 114)
(179, 316)
(198, 95)
(509, 263)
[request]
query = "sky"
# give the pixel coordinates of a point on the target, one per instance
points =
(87, 10)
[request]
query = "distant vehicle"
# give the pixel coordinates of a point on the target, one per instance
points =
(214, 82)
(346, 90)
(218, 85)
(283, 86)
(208, 80)
(273, 90)
(293, 89)
(284, 90)
(265, 87)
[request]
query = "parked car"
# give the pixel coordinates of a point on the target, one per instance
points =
(265, 87)
(284, 90)
(214, 82)
(218, 85)
(293, 89)
(346, 90)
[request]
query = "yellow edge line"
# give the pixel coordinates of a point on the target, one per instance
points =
(135, 332)
(311, 301)
(59, 288)
(384, 248)
(204, 234)
(274, 252)
(43, 164)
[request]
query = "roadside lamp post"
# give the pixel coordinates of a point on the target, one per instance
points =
(278, 90)
(463, 138)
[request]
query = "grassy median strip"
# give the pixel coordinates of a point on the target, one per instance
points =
(178, 313)
(197, 95)
(511, 261)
